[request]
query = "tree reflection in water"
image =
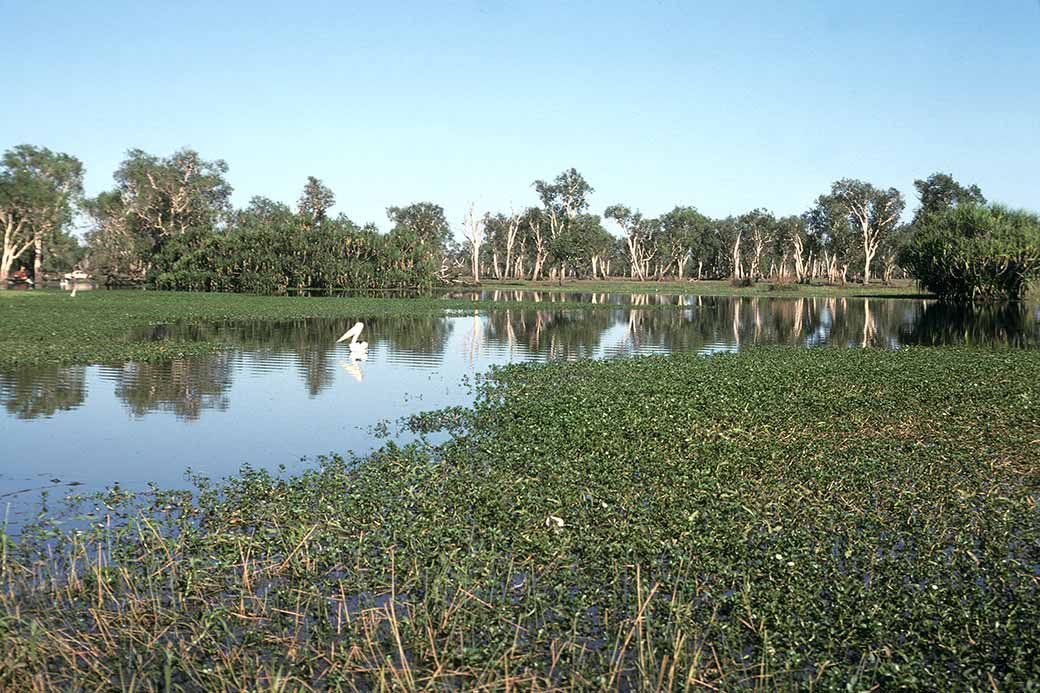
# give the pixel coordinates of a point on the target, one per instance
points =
(186, 387)
(620, 325)
(29, 393)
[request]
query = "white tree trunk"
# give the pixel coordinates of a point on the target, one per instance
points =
(14, 244)
(738, 272)
(473, 229)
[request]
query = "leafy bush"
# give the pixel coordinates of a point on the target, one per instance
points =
(271, 251)
(971, 252)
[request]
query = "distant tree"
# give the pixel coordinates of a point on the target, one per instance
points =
(683, 234)
(891, 247)
(64, 252)
(639, 238)
(584, 239)
(315, 202)
(874, 212)
(426, 219)
(789, 242)
(115, 248)
(156, 199)
(599, 244)
(169, 195)
(535, 239)
(474, 231)
(502, 233)
(562, 200)
(38, 193)
(829, 231)
(757, 227)
(264, 209)
(733, 232)
(939, 192)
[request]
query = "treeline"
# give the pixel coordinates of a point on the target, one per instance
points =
(853, 231)
(169, 222)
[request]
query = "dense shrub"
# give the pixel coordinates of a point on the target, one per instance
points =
(971, 252)
(273, 253)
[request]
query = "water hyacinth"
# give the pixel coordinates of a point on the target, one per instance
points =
(780, 518)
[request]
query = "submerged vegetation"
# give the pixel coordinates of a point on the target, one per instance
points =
(833, 519)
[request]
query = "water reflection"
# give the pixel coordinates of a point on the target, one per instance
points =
(189, 387)
(186, 387)
(28, 393)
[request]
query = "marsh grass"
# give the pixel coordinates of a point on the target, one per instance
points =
(817, 519)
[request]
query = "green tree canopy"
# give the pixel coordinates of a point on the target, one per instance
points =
(424, 219)
(39, 190)
(939, 191)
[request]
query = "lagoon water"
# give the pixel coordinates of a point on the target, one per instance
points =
(284, 391)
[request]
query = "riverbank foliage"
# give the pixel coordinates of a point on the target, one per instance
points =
(975, 252)
(168, 222)
(275, 251)
(780, 518)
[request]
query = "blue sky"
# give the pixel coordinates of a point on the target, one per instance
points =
(724, 106)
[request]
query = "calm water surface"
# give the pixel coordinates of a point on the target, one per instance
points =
(285, 391)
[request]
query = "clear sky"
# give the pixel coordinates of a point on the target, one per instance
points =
(723, 106)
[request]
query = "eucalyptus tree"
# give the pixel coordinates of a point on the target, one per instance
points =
(562, 200)
(639, 238)
(890, 249)
(114, 245)
(475, 233)
(683, 232)
(757, 227)
(315, 202)
(159, 198)
(169, 195)
(874, 212)
(598, 244)
(39, 189)
(502, 233)
(425, 219)
(789, 242)
(940, 191)
(535, 237)
(584, 245)
(828, 224)
(732, 232)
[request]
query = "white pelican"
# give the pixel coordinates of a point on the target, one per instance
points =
(352, 334)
